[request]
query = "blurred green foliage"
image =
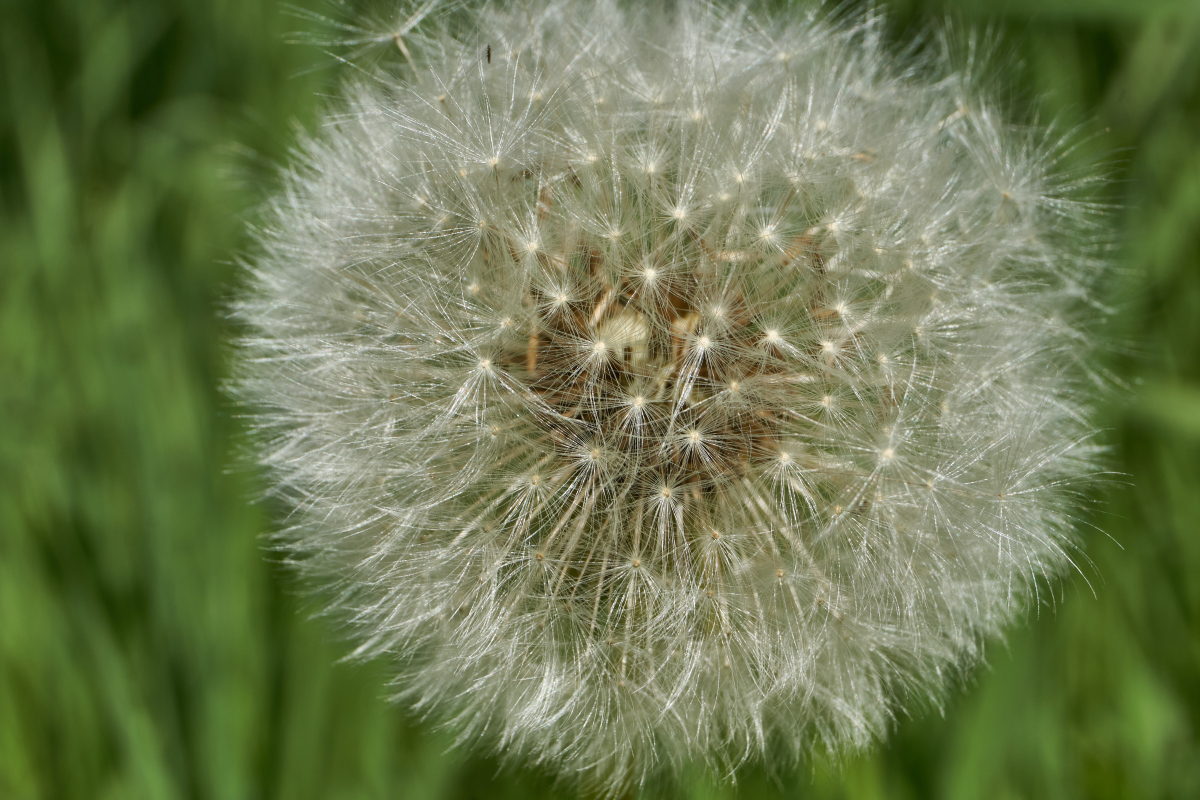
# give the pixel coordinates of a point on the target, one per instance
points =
(150, 649)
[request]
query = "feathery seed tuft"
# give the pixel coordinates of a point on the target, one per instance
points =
(661, 387)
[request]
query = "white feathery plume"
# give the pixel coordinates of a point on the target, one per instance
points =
(662, 387)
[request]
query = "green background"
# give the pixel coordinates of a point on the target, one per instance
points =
(150, 649)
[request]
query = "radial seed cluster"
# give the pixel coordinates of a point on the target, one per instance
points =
(670, 387)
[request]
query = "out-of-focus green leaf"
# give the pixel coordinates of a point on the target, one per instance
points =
(149, 648)
(1164, 58)
(1173, 406)
(1070, 10)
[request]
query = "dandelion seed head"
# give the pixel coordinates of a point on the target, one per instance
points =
(728, 407)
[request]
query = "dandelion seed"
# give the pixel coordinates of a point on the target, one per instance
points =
(566, 525)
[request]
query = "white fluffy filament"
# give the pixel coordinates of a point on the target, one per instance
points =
(670, 387)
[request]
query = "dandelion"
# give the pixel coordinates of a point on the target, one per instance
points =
(659, 388)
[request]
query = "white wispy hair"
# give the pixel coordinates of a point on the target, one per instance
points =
(662, 387)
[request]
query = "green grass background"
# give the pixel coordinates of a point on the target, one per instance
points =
(148, 647)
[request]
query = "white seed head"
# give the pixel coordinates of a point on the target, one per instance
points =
(700, 493)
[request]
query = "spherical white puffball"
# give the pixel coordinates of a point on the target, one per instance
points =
(671, 387)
